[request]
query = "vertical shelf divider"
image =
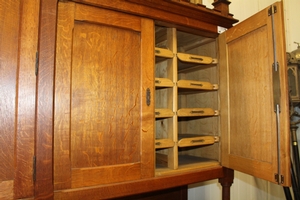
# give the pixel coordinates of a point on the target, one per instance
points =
(172, 44)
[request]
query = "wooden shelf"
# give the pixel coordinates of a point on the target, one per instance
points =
(165, 53)
(163, 82)
(185, 141)
(163, 113)
(187, 163)
(192, 162)
(189, 62)
(196, 59)
(164, 143)
(196, 85)
(162, 54)
(197, 112)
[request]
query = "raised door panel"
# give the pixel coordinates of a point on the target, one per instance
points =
(103, 125)
(255, 138)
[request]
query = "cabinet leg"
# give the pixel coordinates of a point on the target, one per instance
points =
(226, 183)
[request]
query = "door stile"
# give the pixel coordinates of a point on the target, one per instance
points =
(44, 101)
(62, 95)
(280, 92)
(147, 65)
(276, 92)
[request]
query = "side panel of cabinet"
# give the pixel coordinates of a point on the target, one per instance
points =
(8, 71)
(249, 124)
(103, 124)
(18, 46)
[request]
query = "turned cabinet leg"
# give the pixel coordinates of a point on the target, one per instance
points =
(226, 183)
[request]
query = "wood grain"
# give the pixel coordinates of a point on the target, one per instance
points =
(83, 177)
(9, 46)
(6, 192)
(140, 186)
(62, 96)
(148, 116)
(44, 100)
(91, 14)
(105, 105)
(178, 17)
(19, 28)
(23, 185)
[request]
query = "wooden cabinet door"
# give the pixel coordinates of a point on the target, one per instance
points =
(103, 109)
(9, 34)
(18, 46)
(254, 97)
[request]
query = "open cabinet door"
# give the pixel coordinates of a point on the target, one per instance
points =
(254, 97)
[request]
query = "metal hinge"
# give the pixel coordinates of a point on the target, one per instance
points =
(221, 29)
(276, 86)
(148, 97)
(34, 168)
(36, 63)
(275, 66)
(279, 179)
(276, 93)
(272, 10)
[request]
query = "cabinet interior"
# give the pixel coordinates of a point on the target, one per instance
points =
(186, 101)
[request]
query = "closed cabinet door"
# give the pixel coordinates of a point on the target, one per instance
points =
(103, 109)
(18, 46)
(254, 97)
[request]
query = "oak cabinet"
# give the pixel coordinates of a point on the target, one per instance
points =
(138, 96)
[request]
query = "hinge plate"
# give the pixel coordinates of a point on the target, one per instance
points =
(276, 86)
(221, 29)
(276, 177)
(272, 10)
(148, 97)
(279, 178)
(36, 63)
(34, 168)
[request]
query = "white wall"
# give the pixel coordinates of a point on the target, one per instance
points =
(246, 187)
